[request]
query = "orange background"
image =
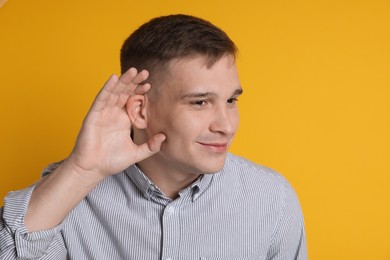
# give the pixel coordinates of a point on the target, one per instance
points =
(316, 103)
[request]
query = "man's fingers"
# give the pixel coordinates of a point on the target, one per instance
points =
(155, 142)
(130, 80)
(104, 94)
(128, 84)
(116, 91)
(125, 81)
(142, 89)
(141, 77)
(151, 147)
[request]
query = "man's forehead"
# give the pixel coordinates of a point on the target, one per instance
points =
(203, 60)
(192, 75)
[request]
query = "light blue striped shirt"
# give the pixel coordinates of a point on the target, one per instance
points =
(245, 211)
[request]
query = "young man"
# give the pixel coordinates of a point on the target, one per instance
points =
(171, 190)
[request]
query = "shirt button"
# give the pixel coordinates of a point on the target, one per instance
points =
(196, 196)
(170, 211)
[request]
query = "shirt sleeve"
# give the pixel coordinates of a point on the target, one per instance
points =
(289, 240)
(15, 240)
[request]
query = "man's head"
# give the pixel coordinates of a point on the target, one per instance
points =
(195, 86)
(157, 42)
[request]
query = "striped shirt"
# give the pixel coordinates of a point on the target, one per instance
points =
(245, 211)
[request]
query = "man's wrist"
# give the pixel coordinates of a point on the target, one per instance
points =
(87, 178)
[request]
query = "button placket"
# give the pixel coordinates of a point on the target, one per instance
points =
(171, 231)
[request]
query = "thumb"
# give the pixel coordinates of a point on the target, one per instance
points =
(151, 147)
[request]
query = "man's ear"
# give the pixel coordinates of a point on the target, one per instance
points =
(136, 110)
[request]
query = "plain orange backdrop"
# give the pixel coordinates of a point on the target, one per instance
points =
(316, 103)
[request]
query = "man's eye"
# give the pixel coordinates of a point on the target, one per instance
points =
(200, 103)
(232, 100)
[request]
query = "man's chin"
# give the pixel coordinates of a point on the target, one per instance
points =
(215, 168)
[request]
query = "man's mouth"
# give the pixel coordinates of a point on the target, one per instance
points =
(215, 147)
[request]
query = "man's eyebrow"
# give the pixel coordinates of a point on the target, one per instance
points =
(197, 95)
(237, 92)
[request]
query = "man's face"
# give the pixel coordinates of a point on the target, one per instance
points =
(195, 107)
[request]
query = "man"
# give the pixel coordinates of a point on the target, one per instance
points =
(171, 190)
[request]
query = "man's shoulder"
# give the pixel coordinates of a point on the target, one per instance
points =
(247, 167)
(252, 174)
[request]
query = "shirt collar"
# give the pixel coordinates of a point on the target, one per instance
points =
(149, 189)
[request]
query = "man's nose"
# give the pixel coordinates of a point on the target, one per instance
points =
(225, 120)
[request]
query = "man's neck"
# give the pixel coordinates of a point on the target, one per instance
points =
(168, 179)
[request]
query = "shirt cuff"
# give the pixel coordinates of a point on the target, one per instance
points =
(27, 244)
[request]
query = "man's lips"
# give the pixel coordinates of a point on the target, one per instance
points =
(216, 147)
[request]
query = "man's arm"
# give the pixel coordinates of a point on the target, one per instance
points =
(289, 240)
(29, 221)
(103, 148)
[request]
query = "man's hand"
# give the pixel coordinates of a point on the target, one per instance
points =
(104, 146)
